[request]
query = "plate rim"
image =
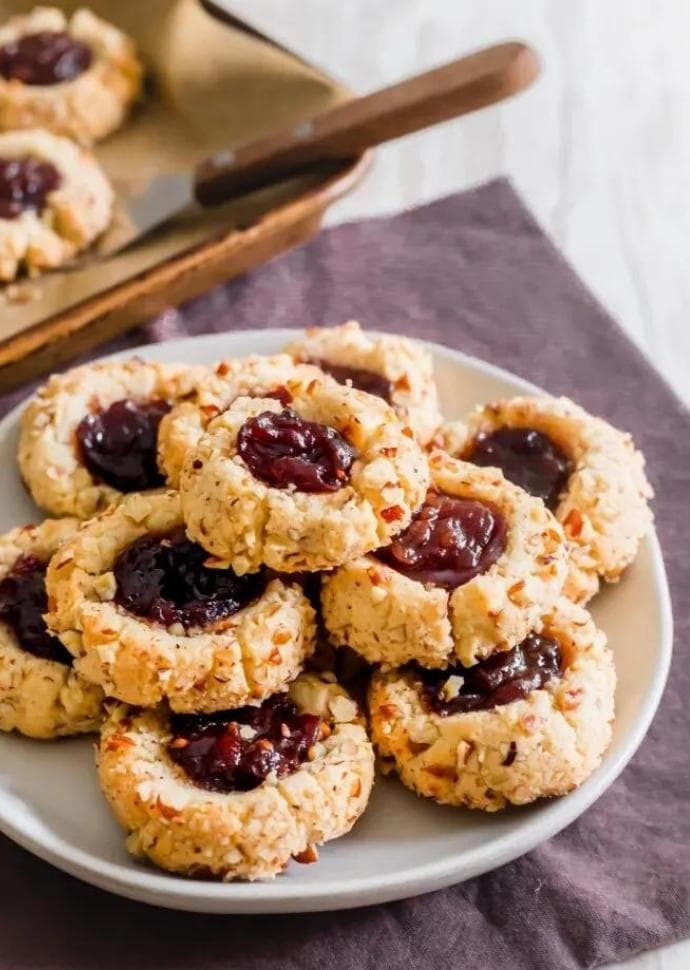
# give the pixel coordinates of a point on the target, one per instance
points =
(175, 892)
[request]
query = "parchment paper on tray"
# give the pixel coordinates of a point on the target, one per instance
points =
(212, 86)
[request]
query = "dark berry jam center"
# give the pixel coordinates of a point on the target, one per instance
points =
(164, 579)
(118, 445)
(47, 57)
(526, 457)
(500, 679)
(449, 541)
(24, 184)
(363, 380)
(23, 601)
(237, 750)
(284, 449)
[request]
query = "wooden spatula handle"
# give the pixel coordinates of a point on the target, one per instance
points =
(473, 82)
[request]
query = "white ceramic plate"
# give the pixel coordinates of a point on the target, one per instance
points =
(49, 797)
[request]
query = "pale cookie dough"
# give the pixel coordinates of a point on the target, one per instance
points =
(241, 660)
(542, 746)
(245, 522)
(87, 107)
(75, 213)
(48, 456)
(38, 697)
(254, 376)
(605, 507)
(392, 619)
(250, 835)
(404, 363)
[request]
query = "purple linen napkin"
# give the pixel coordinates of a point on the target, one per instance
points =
(476, 272)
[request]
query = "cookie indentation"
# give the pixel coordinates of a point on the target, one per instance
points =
(357, 377)
(237, 750)
(23, 601)
(449, 541)
(25, 183)
(500, 679)
(527, 457)
(46, 57)
(118, 444)
(284, 449)
(165, 579)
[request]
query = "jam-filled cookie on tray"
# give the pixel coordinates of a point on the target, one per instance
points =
(89, 435)
(73, 75)
(238, 794)
(474, 571)
(530, 723)
(393, 368)
(41, 695)
(587, 472)
(148, 619)
(303, 483)
(54, 202)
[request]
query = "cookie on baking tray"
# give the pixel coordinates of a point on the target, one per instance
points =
(254, 376)
(41, 695)
(73, 75)
(303, 483)
(478, 566)
(238, 794)
(54, 201)
(90, 435)
(589, 473)
(396, 369)
(519, 726)
(147, 619)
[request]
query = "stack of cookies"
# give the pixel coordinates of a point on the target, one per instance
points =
(218, 531)
(65, 82)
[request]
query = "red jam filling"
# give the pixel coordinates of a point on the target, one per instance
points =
(24, 184)
(526, 457)
(118, 445)
(164, 579)
(47, 57)
(500, 679)
(449, 541)
(23, 601)
(284, 449)
(362, 380)
(236, 750)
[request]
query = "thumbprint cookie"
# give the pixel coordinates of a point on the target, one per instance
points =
(239, 793)
(90, 435)
(530, 723)
(73, 75)
(586, 471)
(474, 571)
(302, 484)
(393, 368)
(149, 619)
(54, 201)
(41, 695)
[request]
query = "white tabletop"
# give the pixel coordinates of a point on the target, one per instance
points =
(599, 147)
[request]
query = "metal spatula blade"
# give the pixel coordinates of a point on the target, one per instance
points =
(163, 198)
